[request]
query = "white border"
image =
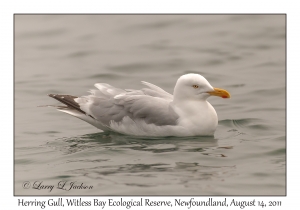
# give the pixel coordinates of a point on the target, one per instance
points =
(8, 8)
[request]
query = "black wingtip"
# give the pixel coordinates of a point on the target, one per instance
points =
(60, 97)
(67, 100)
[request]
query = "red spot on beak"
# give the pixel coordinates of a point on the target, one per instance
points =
(224, 97)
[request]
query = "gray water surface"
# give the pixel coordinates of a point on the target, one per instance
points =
(68, 54)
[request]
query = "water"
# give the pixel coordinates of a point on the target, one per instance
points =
(244, 54)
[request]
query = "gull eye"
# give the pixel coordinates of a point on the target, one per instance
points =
(195, 86)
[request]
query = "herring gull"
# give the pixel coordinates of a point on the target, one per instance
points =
(150, 111)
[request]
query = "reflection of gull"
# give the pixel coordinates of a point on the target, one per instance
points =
(150, 111)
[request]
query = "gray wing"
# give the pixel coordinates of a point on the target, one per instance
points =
(112, 104)
(156, 91)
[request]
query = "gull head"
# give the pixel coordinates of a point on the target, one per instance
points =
(196, 87)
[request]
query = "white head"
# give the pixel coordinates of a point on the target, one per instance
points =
(196, 87)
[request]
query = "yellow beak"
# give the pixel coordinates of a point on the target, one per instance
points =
(220, 92)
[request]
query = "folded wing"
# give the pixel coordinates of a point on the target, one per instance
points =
(107, 104)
